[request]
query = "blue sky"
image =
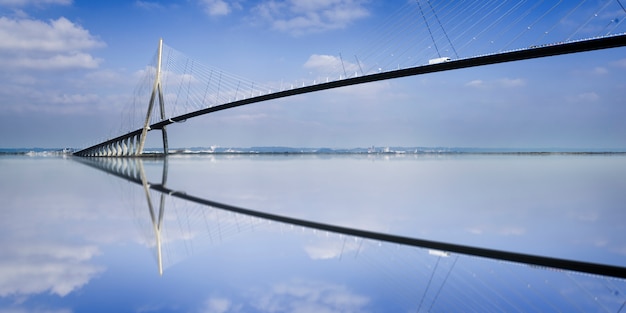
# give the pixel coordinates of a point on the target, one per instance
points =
(69, 69)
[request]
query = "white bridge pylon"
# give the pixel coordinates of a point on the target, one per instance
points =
(157, 90)
(132, 144)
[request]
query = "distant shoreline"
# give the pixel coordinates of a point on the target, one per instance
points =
(395, 151)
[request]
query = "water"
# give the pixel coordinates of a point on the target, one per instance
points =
(76, 238)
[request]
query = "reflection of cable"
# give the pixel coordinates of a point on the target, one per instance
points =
(443, 283)
(585, 290)
(534, 290)
(621, 5)
(428, 285)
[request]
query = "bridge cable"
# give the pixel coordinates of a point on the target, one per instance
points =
(555, 24)
(343, 66)
(401, 51)
(621, 5)
(451, 14)
(485, 5)
(588, 20)
(443, 29)
(483, 18)
(387, 33)
(502, 17)
(428, 26)
(408, 27)
(189, 85)
(517, 20)
(616, 20)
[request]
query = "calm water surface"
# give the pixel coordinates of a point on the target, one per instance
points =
(78, 239)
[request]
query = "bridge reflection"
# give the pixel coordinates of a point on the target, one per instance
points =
(132, 169)
(428, 275)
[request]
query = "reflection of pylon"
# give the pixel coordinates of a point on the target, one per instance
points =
(157, 221)
(157, 90)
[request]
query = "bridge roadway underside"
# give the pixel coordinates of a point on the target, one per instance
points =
(503, 57)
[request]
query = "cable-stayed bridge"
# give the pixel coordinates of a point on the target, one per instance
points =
(421, 37)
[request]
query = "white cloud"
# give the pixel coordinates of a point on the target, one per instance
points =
(301, 17)
(368, 93)
(322, 63)
(500, 230)
(620, 63)
(475, 230)
(309, 296)
(34, 310)
(22, 99)
(55, 62)
(59, 35)
(329, 67)
(512, 231)
(509, 82)
(108, 77)
(584, 216)
(584, 97)
(477, 83)
(147, 5)
(217, 305)
(499, 83)
(600, 70)
(57, 44)
(330, 249)
(37, 268)
(23, 3)
(73, 99)
(620, 250)
(218, 7)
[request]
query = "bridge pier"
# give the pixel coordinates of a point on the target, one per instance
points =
(134, 141)
(120, 148)
(124, 147)
(129, 143)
